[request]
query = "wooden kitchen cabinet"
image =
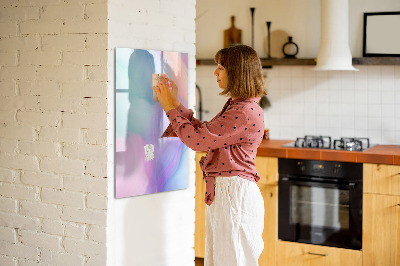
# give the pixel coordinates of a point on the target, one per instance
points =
(298, 254)
(267, 168)
(381, 179)
(270, 233)
(381, 230)
(200, 207)
(381, 215)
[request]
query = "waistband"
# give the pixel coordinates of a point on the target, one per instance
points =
(229, 179)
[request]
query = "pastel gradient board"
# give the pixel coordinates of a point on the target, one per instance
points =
(145, 163)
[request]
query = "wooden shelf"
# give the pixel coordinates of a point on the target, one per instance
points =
(268, 62)
(288, 62)
(312, 61)
(376, 61)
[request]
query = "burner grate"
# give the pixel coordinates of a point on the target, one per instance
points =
(324, 142)
(321, 142)
(351, 144)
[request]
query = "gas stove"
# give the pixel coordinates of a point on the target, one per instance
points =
(325, 142)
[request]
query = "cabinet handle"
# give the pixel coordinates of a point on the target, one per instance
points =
(398, 204)
(318, 254)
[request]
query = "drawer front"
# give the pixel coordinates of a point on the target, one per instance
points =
(293, 254)
(381, 179)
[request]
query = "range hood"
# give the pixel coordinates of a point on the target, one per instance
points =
(334, 51)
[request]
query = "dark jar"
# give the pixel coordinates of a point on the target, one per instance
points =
(290, 49)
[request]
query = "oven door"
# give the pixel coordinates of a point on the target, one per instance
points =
(321, 212)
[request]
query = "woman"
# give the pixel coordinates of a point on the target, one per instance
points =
(235, 207)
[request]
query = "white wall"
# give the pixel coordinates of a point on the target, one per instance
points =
(155, 229)
(53, 109)
(338, 104)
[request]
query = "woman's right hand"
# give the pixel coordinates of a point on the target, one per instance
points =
(174, 89)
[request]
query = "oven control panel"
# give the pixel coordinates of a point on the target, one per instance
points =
(331, 169)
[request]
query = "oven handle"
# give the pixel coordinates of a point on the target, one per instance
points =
(297, 181)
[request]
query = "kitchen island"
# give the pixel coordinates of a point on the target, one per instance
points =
(381, 207)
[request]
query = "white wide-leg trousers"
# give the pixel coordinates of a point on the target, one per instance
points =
(234, 223)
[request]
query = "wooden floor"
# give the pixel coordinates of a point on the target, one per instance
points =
(199, 262)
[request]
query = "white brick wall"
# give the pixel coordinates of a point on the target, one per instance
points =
(56, 124)
(53, 107)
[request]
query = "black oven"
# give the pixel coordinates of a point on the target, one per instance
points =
(320, 202)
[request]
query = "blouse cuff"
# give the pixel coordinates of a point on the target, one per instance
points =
(184, 111)
(172, 114)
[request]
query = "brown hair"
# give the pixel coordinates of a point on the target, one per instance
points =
(245, 78)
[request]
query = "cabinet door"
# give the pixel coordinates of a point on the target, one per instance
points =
(297, 254)
(270, 233)
(200, 207)
(381, 179)
(381, 230)
(267, 168)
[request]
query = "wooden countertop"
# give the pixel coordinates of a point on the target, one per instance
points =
(379, 154)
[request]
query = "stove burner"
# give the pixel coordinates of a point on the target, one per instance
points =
(308, 141)
(351, 144)
(324, 142)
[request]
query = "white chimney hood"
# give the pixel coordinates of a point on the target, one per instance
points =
(334, 51)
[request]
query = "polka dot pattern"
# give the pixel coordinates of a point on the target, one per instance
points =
(231, 139)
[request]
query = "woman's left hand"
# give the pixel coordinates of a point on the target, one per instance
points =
(164, 95)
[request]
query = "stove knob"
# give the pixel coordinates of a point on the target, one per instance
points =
(336, 169)
(302, 167)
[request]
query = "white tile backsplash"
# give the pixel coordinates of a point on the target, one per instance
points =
(374, 83)
(374, 110)
(310, 109)
(387, 71)
(347, 110)
(387, 124)
(364, 103)
(374, 97)
(388, 97)
(374, 123)
(360, 97)
(397, 123)
(388, 83)
(322, 95)
(361, 124)
(361, 110)
(348, 96)
(397, 72)
(387, 110)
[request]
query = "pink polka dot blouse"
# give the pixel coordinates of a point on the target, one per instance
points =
(231, 139)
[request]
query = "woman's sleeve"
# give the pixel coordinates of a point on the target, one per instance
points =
(223, 131)
(186, 113)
